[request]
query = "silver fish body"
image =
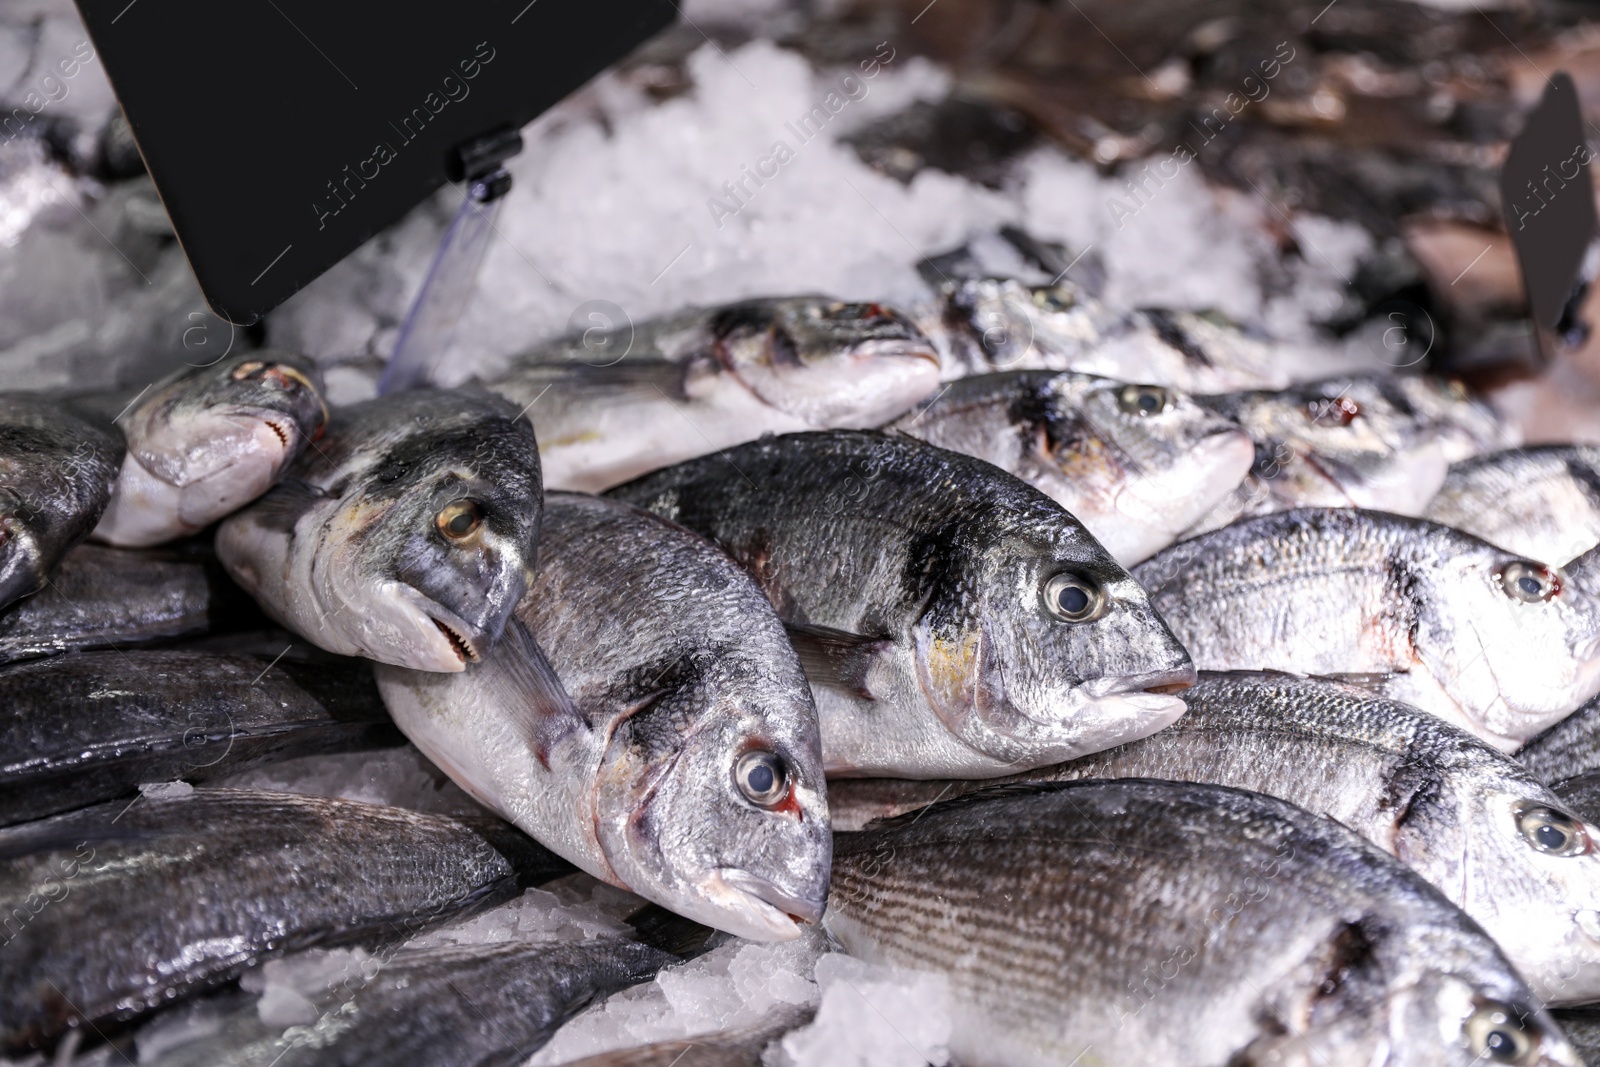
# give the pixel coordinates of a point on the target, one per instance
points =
(952, 619)
(91, 726)
(1142, 922)
(687, 767)
(988, 324)
(101, 597)
(406, 536)
(1500, 646)
(1469, 819)
(1346, 442)
(117, 909)
(1542, 502)
(209, 440)
(479, 1005)
(57, 474)
(611, 405)
(1136, 464)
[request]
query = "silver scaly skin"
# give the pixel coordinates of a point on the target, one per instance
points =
(987, 324)
(407, 535)
(57, 474)
(952, 619)
(208, 441)
(613, 405)
(1136, 464)
(1471, 820)
(686, 767)
(1498, 645)
(1141, 922)
(1345, 442)
(1542, 502)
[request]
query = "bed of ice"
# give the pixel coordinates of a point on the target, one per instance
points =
(621, 199)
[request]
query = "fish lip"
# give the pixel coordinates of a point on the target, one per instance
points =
(896, 348)
(1164, 682)
(456, 634)
(796, 909)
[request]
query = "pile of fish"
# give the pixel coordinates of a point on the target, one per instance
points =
(1172, 711)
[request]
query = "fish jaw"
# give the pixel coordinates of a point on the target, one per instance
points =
(876, 381)
(1158, 510)
(442, 641)
(748, 907)
(143, 510)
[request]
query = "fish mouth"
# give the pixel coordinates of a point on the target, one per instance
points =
(756, 908)
(899, 348)
(459, 643)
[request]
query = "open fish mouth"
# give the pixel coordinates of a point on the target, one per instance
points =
(459, 644)
(755, 907)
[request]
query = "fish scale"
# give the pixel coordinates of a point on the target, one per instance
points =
(1110, 958)
(1542, 502)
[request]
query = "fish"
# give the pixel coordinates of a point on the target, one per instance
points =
(611, 405)
(1468, 818)
(953, 620)
(1582, 1027)
(986, 324)
(57, 474)
(1138, 921)
(1462, 423)
(734, 1047)
(89, 726)
(1345, 442)
(1421, 613)
(208, 440)
(430, 1002)
(1136, 464)
(113, 910)
(1542, 502)
(646, 718)
(406, 536)
(1566, 757)
(101, 597)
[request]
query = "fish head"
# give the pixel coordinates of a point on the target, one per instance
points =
(1033, 645)
(830, 363)
(1155, 461)
(1342, 443)
(24, 555)
(1516, 642)
(1464, 425)
(235, 424)
(436, 543)
(1470, 1019)
(710, 797)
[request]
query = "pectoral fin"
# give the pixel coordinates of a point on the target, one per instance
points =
(523, 680)
(282, 505)
(836, 659)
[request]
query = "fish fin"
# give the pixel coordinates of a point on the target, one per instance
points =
(836, 659)
(1364, 679)
(282, 505)
(661, 929)
(526, 681)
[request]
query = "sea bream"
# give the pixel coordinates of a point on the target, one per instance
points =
(988, 324)
(57, 474)
(406, 535)
(612, 404)
(674, 751)
(102, 597)
(120, 908)
(1471, 820)
(91, 726)
(1146, 922)
(1346, 442)
(207, 441)
(1136, 464)
(952, 619)
(1499, 645)
(1542, 502)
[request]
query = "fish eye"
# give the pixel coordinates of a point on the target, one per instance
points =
(1052, 299)
(459, 519)
(1530, 583)
(248, 369)
(1143, 400)
(1496, 1035)
(761, 778)
(1552, 832)
(1072, 598)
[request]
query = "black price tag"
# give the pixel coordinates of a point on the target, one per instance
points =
(282, 134)
(1547, 195)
